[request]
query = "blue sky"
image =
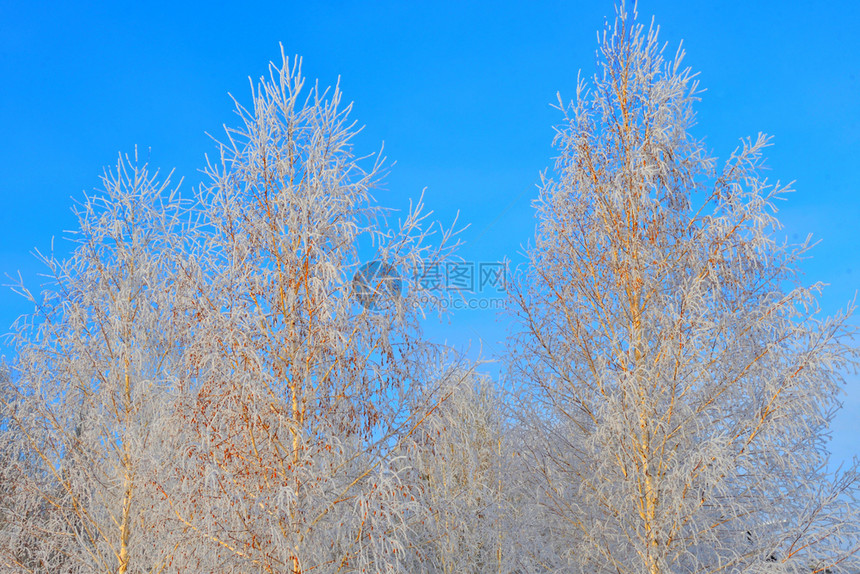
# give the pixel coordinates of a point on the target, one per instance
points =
(460, 93)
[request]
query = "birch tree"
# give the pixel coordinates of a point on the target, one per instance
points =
(83, 436)
(223, 386)
(302, 390)
(680, 376)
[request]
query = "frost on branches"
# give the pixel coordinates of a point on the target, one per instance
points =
(454, 458)
(680, 379)
(203, 386)
(301, 392)
(98, 362)
(200, 390)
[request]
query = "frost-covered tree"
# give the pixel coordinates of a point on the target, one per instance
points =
(302, 390)
(224, 386)
(679, 376)
(456, 460)
(83, 433)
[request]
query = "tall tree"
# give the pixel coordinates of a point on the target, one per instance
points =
(305, 358)
(680, 377)
(84, 436)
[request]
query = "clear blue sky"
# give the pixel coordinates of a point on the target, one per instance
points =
(458, 91)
